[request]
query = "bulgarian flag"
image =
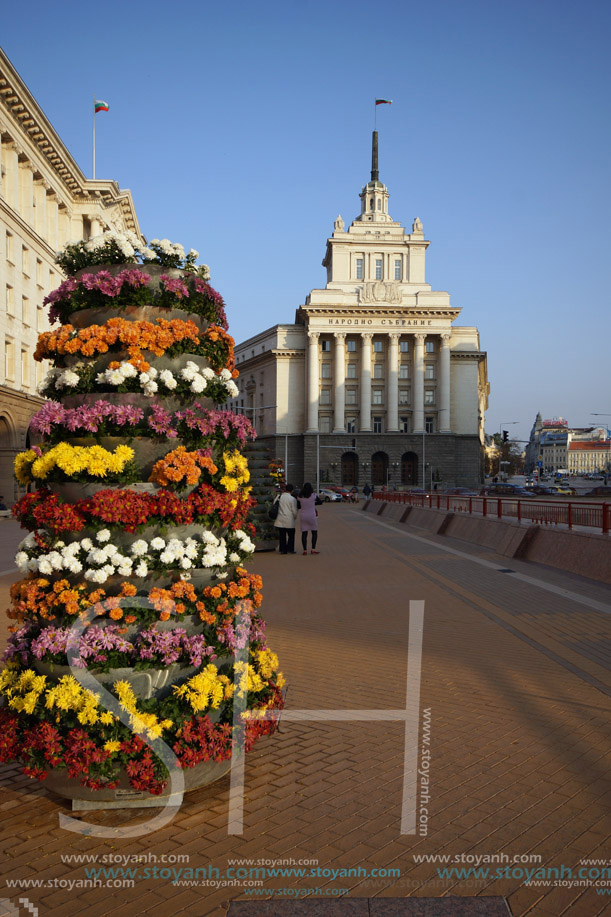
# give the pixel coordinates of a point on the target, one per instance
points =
(383, 101)
(103, 106)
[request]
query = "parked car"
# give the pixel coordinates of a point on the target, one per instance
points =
(344, 494)
(541, 490)
(564, 490)
(460, 492)
(329, 496)
(505, 490)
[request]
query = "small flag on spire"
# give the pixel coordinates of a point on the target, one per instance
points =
(103, 106)
(383, 101)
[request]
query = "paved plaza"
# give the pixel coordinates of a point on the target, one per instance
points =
(512, 756)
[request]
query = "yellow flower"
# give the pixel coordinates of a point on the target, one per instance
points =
(112, 746)
(22, 466)
(106, 718)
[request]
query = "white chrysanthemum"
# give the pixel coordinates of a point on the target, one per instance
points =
(208, 374)
(232, 389)
(129, 370)
(190, 371)
(204, 271)
(103, 535)
(198, 385)
(139, 548)
(234, 558)
(75, 566)
(114, 377)
(158, 544)
(150, 389)
(110, 550)
(86, 544)
(225, 375)
(186, 564)
(97, 556)
(33, 565)
(141, 569)
(21, 559)
(56, 560)
(124, 571)
(148, 254)
(68, 379)
(193, 254)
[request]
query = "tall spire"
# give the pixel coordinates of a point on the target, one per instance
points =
(375, 175)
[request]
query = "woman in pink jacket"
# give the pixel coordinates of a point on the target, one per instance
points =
(308, 518)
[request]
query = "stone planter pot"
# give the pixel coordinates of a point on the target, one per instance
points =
(145, 683)
(170, 403)
(200, 577)
(86, 317)
(125, 796)
(153, 270)
(70, 492)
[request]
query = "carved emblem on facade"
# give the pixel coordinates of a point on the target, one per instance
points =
(380, 291)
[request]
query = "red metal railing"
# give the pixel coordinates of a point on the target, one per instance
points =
(549, 512)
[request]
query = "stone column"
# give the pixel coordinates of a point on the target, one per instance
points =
(418, 387)
(40, 218)
(26, 190)
(392, 418)
(445, 420)
(365, 417)
(339, 382)
(52, 219)
(313, 382)
(10, 151)
(95, 225)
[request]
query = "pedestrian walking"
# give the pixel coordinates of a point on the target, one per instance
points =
(286, 519)
(366, 491)
(309, 517)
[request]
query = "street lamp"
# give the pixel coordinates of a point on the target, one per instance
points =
(440, 411)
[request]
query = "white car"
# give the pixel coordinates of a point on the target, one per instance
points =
(329, 496)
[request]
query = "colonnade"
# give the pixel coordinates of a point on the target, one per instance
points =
(392, 351)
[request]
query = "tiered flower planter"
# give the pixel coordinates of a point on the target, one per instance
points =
(152, 537)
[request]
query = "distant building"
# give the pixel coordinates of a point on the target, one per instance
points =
(373, 382)
(589, 457)
(45, 202)
(558, 447)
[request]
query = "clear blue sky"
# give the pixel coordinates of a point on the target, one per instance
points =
(242, 130)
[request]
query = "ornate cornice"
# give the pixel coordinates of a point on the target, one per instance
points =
(379, 311)
(27, 124)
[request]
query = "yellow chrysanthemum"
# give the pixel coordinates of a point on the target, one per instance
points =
(112, 746)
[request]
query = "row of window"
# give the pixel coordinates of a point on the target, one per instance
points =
(379, 269)
(26, 314)
(378, 346)
(10, 356)
(377, 396)
(352, 371)
(26, 259)
(377, 424)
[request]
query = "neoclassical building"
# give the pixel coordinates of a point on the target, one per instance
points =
(45, 202)
(373, 383)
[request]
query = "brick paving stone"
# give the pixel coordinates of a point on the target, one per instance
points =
(519, 742)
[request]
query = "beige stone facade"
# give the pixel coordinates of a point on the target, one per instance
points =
(45, 202)
(373, 380)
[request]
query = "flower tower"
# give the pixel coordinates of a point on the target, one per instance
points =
(137, 519)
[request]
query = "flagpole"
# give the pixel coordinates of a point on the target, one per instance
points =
(93, 116)
(375, 114)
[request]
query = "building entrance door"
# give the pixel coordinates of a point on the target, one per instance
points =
(350, 465)
(379, 469)
(409, 468)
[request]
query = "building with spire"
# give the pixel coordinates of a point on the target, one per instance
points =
(373, 382)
